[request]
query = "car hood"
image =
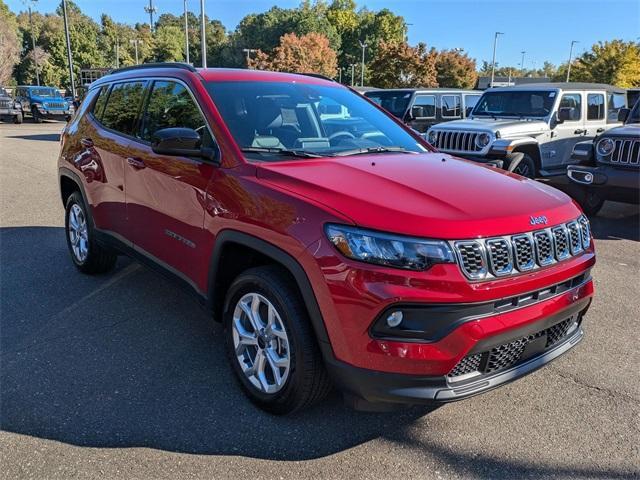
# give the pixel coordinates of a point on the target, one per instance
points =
(506, 126)
(629, 130)
(427, 195)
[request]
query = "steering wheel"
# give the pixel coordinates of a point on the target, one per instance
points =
(342, 133)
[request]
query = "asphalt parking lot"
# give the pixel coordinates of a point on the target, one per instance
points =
(124, 376)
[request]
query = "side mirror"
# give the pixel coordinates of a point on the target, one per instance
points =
(180, 142)
(623, 114)
(566, 113)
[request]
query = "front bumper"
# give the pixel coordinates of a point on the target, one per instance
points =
(622, 184)
(383, 387)
(9, 112)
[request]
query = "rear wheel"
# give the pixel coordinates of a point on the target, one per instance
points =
(270, 342)
(87, 254)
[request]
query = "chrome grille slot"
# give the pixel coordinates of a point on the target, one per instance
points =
(499, 255)
(626, 152)
(544, 247)
(472, 259)
(457, 141)
(575, 240)
(523, 252)
(561, 242)
(5, 104)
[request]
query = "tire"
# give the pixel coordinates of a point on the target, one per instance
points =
(86, 253)
(526, 167)
(36, 115)
(292, 349)
(18, 118)
(590, 201)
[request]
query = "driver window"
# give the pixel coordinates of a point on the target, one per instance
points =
(171, 105)
(572, 100)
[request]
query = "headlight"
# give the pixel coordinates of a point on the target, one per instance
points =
(605, 146)
(432, 136)
(483, 140)
(386, 249)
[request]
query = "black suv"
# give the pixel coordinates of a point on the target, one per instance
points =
(609, 167)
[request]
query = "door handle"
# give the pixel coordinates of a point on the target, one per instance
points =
(136, 163)
(579, 131)
(86, 142)
(600, 130)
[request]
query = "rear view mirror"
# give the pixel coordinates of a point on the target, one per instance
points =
(181, 142)
(623, 114)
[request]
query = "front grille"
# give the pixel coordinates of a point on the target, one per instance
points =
(457, 141)
(509, 354)
(5, 103)
(497, 257)
(54, 105)
(626, 152)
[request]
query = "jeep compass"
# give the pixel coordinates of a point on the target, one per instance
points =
(335, 245)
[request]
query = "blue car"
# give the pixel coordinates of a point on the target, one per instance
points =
(43, 103)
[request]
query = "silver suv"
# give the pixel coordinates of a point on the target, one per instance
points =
(531, 129)
(9, 108)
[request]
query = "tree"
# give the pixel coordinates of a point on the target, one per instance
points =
(310, 53)
(168, 45)
(455, 70)
(616, 62)
(400, 65)
(9, 43)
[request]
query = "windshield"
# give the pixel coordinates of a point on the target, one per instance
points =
(515, 104)
(45, 92)
(269, 119)
(634, 116)
(394, 102)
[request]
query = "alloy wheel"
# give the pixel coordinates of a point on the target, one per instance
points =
(261, 343)
(78, 234)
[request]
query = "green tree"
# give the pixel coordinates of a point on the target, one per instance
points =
(455, 69)
(615, 62)
(168, 45)
(400, 65)
(10, 39)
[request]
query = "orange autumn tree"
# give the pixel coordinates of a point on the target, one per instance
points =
(310, 53)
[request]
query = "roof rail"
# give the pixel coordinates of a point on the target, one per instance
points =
(144, 66)
(318, 75)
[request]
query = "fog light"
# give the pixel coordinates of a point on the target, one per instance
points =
(395, 319)
(588, 177)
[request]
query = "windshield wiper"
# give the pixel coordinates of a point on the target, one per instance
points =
(283, 151)
(370, 150)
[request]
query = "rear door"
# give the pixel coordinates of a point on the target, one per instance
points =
(423, 112)
(596, 115)
(166, 195)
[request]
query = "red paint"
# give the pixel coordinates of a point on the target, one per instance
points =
(287, 205)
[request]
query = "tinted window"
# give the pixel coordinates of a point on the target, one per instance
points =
(395, 102)
(572, 100)
(171, 105)
(122, 106)
(316, 119)
(424, 106)
(515, 103)
(595, 106)
(451, 105)
(470, 101)
(99, 104)
(616, 101)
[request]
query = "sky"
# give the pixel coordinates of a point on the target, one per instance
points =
(542, 28)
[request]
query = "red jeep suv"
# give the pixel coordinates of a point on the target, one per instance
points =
(336, 246)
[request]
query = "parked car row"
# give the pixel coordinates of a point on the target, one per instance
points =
(38, 102)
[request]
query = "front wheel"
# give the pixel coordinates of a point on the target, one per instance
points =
(526, 167)
(270, 342)
(37, 118)
(590, 201)
(87, 254)
(18, 118)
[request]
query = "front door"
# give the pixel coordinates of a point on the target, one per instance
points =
(564, 136)
(165, 195)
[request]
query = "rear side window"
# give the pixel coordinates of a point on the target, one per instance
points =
(98, 106)
(451, 106)
(122, 107)
(595, 106)
(171, 105)
(470, 101)
(616, 101)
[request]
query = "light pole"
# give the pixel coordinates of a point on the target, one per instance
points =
(150, 10)
(69, 57)
(248, 52)
(28, 3)
(117, 52)
(493, 62)
(203, 40)
(522, 62)
(135, 43)
(186, 32)
(363, 45)
(353, 73)
(339, 74)
(573, 42)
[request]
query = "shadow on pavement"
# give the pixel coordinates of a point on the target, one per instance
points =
(130, 360)
(44, 137)
(617, 221)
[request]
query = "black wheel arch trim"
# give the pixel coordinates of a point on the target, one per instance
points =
(65, 172)
(286, 261)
